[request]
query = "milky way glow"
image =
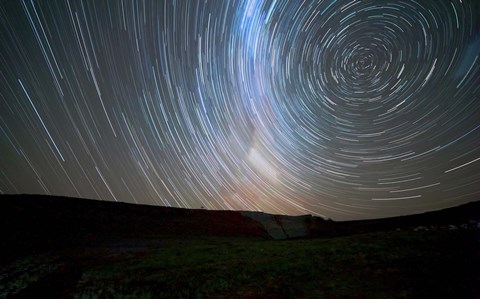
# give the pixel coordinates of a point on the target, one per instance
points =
(344, 109)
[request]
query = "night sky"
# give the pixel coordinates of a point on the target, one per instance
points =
(343, 109)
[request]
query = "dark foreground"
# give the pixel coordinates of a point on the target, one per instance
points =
(397, 264)
(56, 247)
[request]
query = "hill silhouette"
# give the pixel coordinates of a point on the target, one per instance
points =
(41, 221)
(59, 247)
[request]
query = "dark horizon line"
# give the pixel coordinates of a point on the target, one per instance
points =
(240, 211)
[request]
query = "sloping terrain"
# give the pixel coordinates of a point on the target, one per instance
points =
(36, 221)
(57, 247)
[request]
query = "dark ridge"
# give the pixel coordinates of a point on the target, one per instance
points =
(30, 222)
(466, 215)
(307, 226)
(59, 247)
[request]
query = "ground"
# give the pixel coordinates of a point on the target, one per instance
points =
(392, 264)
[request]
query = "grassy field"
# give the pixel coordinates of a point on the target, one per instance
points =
(397, 264)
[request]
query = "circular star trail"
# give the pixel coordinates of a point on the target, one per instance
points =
(344, 109)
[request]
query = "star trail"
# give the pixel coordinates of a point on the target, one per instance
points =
(343, 109)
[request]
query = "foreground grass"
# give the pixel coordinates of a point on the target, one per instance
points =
(400, 264)
(381, 265)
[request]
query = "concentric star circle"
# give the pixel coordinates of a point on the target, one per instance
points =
(345, 109)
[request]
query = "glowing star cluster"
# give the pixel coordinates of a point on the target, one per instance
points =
(345, 109)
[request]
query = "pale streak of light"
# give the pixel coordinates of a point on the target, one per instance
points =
(43, 124)
(103, 179)
(397, 198)
(455, 168)
(417, 188)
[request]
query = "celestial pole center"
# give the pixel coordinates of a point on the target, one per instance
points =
(342, 109)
